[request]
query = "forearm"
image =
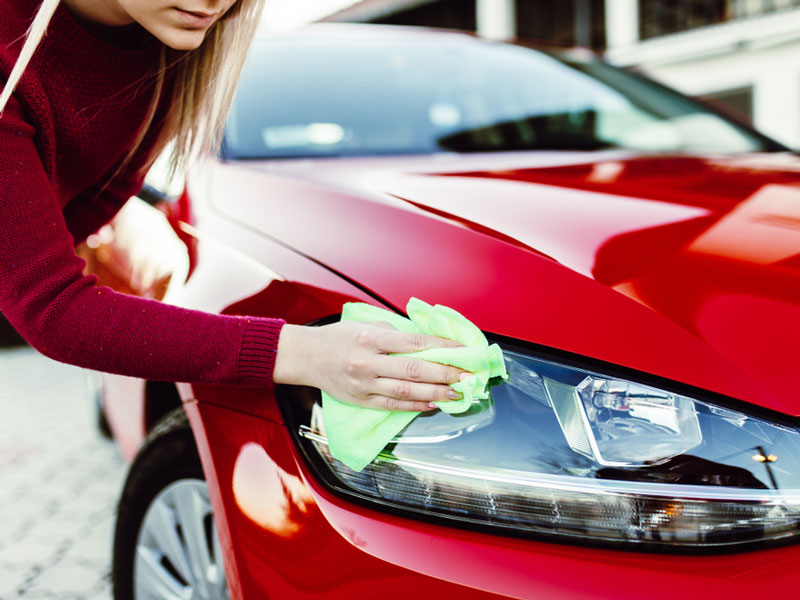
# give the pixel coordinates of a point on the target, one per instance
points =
(97, 328)
(61, 312)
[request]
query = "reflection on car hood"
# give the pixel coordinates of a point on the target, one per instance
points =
(709, 246)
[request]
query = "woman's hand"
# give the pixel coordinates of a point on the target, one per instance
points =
(351, 361)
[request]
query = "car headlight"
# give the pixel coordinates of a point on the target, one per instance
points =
(565, 451)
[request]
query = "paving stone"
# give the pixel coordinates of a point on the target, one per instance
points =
(74, 512)
(26, 552)
(11, 580)
(39, 595)
(61, 482)
(95, 547)
(68, 578)
(53, 532)
(101, 594)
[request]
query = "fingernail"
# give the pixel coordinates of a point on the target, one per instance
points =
(453, 394)
(464, 376)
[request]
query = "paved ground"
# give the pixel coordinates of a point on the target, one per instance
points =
(59, 483)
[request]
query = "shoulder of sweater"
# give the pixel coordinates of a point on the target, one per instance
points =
(29, 92)
(17, 17)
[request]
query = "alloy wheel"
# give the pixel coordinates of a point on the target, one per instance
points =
(178, 554)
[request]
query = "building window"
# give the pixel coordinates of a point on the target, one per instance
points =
(580, 22)
(450, 14)
(736, 103)
(662, 17)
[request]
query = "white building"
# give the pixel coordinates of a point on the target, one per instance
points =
(748, 55)
(742, 53)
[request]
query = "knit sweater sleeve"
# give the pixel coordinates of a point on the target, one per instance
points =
(65, 315)
(89, 211)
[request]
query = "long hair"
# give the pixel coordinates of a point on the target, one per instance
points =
(205, 82)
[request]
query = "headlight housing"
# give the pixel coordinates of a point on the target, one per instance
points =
(577, 454)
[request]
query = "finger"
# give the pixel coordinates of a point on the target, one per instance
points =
(414, 369)
(382, 325)
(395, 404)
(394, 342)
(415, 392)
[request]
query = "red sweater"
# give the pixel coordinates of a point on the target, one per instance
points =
(67, 127)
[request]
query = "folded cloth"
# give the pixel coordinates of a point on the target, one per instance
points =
(355, 434)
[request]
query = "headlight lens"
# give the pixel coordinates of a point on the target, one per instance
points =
(568, 452)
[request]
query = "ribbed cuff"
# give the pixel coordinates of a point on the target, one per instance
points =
(259, 348)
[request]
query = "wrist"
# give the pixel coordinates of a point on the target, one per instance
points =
(292, 357)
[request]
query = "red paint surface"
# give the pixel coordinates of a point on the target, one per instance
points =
(289, 550)
(123, 399)
(635, 252)
(318, 546)
(633, 260)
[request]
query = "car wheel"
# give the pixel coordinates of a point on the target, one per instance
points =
(94, 385)
(165, 541)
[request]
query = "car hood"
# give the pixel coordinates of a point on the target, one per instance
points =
(682, 267)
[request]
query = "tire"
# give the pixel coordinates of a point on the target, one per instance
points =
(102, 423)
(165, 534)
(9, 337)
(94, 384)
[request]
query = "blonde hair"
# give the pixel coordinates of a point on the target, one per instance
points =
(205, 82)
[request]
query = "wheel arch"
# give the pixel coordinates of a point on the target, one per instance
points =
(160, 398)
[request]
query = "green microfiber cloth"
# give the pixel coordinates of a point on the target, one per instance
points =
(356, 435)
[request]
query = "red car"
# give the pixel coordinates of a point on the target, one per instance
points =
(635, 254)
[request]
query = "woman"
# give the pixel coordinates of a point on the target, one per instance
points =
(85, 109)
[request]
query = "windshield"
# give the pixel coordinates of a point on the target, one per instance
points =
(343, 95)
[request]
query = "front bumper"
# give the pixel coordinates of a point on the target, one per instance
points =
(286, 536)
